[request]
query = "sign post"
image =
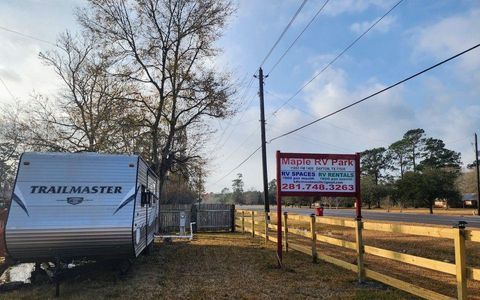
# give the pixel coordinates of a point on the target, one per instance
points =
(308, 174)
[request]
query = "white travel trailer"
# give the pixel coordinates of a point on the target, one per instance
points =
(82, 205)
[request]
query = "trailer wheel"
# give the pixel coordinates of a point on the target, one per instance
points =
(148, 250)
(124, 266)
(39, 275)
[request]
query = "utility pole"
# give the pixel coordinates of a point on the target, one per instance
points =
(478, 175)
(264, 145)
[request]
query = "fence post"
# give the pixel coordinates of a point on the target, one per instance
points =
(360, 250)
(232, 215)
(460, 261)
(243, 221)
(285, 230)
(253, 223)
(314, 238)
(266, 227)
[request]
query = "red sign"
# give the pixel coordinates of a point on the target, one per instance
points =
(308, 174)
(304, 174)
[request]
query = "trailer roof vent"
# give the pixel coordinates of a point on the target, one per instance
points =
(131, 165)
(26, 163)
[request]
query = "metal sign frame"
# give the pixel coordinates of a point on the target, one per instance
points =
(280, 193)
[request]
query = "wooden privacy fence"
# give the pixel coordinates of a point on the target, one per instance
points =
(169, 216)
(207, 217)
(247, 222)
(214, 217)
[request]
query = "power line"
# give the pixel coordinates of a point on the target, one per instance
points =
(244, 96)
(353, 104)
(283, 32)
(338, 56)
(26, 35)
(298, 37)
(336, 126)
(376, 93)
(238, 166)
(6, 87)
(251, 81)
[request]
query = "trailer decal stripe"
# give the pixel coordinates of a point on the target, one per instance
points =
(127, 200)
(20, 203)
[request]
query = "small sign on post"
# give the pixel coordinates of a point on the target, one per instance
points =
(309, 174)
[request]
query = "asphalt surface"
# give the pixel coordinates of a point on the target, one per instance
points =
(473, 221)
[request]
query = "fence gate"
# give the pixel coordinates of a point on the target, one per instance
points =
(208, 217)
(215, 217)
(169, 216)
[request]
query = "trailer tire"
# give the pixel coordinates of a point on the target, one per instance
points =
(124, 266)
(148, 250)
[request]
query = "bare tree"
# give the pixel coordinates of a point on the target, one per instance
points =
(90, 113)
(166, 47)
(9, 146)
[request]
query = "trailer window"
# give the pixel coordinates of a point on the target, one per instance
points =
(143, 196)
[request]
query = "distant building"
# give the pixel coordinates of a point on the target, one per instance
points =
(441, 203)
(469, 199)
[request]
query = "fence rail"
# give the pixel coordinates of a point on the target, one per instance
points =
(245, 220)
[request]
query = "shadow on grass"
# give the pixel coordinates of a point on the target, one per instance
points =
(214, 266)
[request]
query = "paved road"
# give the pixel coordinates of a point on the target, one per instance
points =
(473, 221)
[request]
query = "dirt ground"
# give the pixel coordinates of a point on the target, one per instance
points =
(215, 266)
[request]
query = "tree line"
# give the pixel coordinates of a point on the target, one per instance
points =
(414, 171)
(137, 78)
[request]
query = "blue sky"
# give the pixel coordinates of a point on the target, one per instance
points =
(445, 102)
(415, 35)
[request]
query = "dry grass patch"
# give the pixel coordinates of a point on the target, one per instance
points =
(433, 248)
(216, 266)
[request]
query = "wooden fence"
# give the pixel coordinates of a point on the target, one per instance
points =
(169, 216)
(214, 217)
(247, 222)
(207, 217)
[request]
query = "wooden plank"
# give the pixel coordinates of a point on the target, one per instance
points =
(413, 260)
(299, 248)
(301, 232)
(337, 262)
(472, 235)
(273, 226)
(259, 223)
(305, 219)
(272, 239)
(169, 216)
(329, 259)
(336, 242)
(473, 273)
(336, 222)
(405, 286)
(410, 229)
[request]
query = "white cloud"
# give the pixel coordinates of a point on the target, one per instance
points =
(448, 36)
(338, 7)
(20, 68)
(383, 26)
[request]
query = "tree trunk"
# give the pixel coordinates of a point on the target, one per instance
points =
(431, 209)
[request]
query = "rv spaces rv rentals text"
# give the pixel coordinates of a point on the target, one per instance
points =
(83, 205)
